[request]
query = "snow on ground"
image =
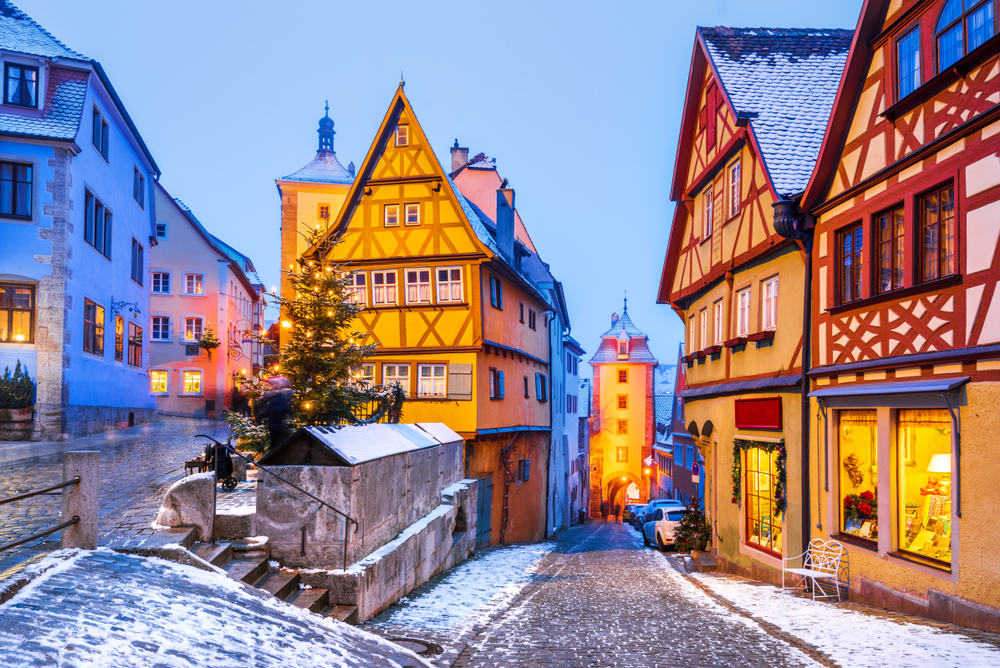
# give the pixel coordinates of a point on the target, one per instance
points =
(103, 608)
(487, 581)
(850, 637)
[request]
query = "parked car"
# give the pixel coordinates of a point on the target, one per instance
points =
(644, 516)
(630, 511)
(661, 526)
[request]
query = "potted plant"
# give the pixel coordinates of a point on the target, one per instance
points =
(209, 341)
(693, 532)
(17, 394)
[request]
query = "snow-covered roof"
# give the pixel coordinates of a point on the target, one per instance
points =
(324, 168)
(20, 33)
(357, 444)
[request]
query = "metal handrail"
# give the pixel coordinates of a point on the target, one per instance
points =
(44, 490)
(32, 537)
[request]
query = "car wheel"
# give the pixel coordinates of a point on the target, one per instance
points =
(659, 544)
(645, 541)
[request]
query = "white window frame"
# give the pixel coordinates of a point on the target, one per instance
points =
(703, 327)
(184, 334)
(419, 285)
(166, 230)
(152, 282)
(384, 289)
(392, 373)
(153, 328)
(201, 382)
(769, 310)
(354, 293)
(386, 211)
(734, 188)
(413, 208)
(719, 315)
(434, 381)
(449, 285)
(188, 293)
(402, 134)
(166, 391)
(743, 298)
(708, 212)
(366, 377)
(691, 334)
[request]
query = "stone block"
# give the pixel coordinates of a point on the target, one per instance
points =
(235, 524)
(940, 607)
(190, 502)
(80, 500)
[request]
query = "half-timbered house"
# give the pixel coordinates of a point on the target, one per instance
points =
(756, 106)
(456, 320)
(906, 331)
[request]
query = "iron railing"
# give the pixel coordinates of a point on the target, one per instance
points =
(348, 519)
(46, 532)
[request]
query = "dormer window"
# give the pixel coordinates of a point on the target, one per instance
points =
(402, 135)
(908, 62)
(623, 350)
(963, 26)
(21, 85)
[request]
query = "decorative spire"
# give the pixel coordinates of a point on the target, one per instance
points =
(326, 131)
(625, 309)
(402, 82)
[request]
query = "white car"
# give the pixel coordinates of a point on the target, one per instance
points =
(660, 528)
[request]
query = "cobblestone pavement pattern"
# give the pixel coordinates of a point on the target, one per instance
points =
(137, 467)
(599, 598)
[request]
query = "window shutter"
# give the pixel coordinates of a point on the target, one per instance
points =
(500, 384)
(499, 294)
(460, 382)
(538, 386)
(527, 469)
(493, 291)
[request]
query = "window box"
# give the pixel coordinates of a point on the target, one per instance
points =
(738, 341)
(713, 350)
(766, 335)
(686, 358)
(698, 355)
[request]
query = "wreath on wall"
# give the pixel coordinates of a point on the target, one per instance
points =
(741, 444)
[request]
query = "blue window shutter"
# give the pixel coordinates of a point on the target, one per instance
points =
(499, 294)
(538, 386)
(500, 382)
(493, 291)
(527, 469)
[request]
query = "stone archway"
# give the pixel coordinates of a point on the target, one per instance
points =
(615, 487)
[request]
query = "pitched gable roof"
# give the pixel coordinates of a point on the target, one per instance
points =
(20, 33)
(784, 82)
(60, 118)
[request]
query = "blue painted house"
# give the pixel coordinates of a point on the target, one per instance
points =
(76, 226)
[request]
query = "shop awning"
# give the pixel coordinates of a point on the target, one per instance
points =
(934, 386)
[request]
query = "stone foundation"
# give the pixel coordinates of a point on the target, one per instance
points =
(64, 423)
(937, 606)
(755, 572)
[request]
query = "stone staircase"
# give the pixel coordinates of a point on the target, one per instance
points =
(248, 561)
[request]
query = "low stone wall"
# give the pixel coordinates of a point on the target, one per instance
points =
(443, 538)
(66, 422)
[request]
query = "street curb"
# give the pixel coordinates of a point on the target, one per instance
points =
(811, 650)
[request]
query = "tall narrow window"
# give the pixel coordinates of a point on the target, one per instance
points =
(623, 401)
(97, 224)
(703, 328)
(119, 338)
(15, 189)
(923, 504)
(412, 212)
(402, 135)
(718, 321)
(937, 235)
(532, 319)
(192, 329)
(621, 455)
(960, 29)
(449, 284)
(851, 241)
(908, 62)
(496, 292)
(139, 187)
(763, 519)
(93, 327)
(734, 189)
(102, 133)
(623, 427)
(858, 443)
(418, 286)
(743, 312)
(384, 288)
(22, 85)
(707, 209)
(134, 344)
(356, 288)
(769, 317)
(158, 381)
(889, 227)
(191, 382)
(622, 375)
(137, 262)
(17, 313)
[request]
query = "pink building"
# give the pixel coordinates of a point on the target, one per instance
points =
(199, 282)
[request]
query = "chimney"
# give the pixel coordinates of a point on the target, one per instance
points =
(505, 220)
(459, 157)
(614, 319)
(350, 168)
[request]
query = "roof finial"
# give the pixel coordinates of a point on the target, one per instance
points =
(402, 82)
(326, 107)
(625, 310)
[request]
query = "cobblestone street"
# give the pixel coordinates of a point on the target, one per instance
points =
(137, 467)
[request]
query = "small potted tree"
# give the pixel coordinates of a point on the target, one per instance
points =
(17, 395)
(694, 534)
(209, 341)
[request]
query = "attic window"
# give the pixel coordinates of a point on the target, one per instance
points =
(21, 85)
(402, 135)
(324, 211)
(623, 350)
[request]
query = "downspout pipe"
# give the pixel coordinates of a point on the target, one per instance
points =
(791, 223)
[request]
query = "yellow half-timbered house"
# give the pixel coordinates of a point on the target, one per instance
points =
(756, 106)
(456, 320)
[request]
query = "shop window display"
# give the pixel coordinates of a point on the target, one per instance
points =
(924, 488)
(762, 512)
(859, 474)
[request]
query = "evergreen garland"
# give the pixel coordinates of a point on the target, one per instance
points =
(741, 444)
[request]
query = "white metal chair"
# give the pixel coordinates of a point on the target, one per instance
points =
(820, 563)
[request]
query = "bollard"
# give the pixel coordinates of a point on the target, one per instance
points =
(81, 500)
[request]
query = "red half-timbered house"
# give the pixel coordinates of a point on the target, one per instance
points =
(906, 314)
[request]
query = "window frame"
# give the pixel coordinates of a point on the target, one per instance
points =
(155, 328)
(6, 86)
(622, 427)
(718, 316)
(166, 383)
(703, 328)
(105, 133)
(496, 293)
(621, 454)
(623, 402)
(409, 207)
(390, 210)
(735, 183)
(532, 319)
(119, 338)
(91, 214)
(897, 243)
(432, 395)
(402, 135)
(625, 376)
(94, 330)
(138, 261)
(396, 376)
(11, 310)
(134, 349)
(857, 277)
(769, 303)
(139, 187)
(14, 199)
(182, 377)
(527, 394)
(152, 282)
(166, 229)
(354, 293)
(962, 20)
(954, 268)
(429, 285)
(449, 283)
(897, 83)
(744, 311)
(385, 287)
(708, 212)
(496, 384)
(200, 329)
(193, 294)
(748, 493)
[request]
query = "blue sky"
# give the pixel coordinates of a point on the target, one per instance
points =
(578, 102)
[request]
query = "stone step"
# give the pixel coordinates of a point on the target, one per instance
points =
(184, 536)
(247, 570)
(219, 554)
(312, 599)
(257, 546)
(343, 613)
(280, 584)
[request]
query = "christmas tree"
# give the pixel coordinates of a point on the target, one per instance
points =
(693, 532)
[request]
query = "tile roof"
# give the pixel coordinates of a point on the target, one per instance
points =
(583, 398)
(785, 82)
(60, 119)
(663, 404)
(482, 161)
(18, 32)
(623, 323)
(324, 168)
(638, 352)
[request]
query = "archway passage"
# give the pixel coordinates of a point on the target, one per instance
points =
(621, 489)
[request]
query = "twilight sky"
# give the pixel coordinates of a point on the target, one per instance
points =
(579, 103)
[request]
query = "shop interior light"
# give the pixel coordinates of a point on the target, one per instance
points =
(940, 464)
